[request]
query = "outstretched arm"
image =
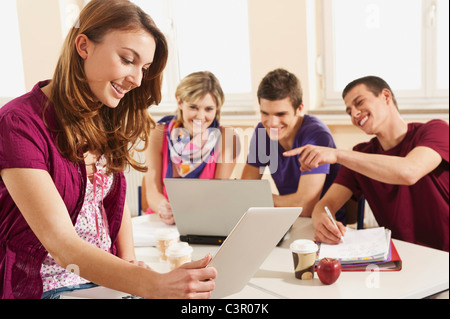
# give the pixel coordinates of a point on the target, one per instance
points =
(387, 169)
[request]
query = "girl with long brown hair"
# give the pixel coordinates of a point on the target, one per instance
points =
(63, 149)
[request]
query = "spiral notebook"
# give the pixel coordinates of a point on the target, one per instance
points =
(363, 247)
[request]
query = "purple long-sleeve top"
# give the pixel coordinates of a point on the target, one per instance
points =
(27, 142)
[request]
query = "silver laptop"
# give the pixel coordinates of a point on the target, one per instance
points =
(248, 245)
(237, 259)
(206, 210)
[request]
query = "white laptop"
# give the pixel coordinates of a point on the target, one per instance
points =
(206, 210)
(248, 245)
(237, 259)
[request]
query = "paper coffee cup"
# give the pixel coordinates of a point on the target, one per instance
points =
(164, 238)
(304, 255)
(178, 254)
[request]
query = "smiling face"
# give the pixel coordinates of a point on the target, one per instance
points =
(278, 118)
(366, 110)
(197, 117)
(116, 65)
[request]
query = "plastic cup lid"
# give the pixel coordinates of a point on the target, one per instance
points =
(178, 249)
(303, 246)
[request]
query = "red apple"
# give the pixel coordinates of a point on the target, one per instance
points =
(328, 270)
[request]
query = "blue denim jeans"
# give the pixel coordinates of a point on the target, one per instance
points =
(56, 293)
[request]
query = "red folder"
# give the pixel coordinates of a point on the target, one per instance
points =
(392, 263)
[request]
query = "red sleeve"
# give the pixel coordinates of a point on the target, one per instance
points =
(21, 145)
(435, 135)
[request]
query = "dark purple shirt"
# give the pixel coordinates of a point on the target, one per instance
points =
(26, 142)
(417, 213)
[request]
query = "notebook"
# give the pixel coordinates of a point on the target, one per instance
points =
(363, 247)
(392, 263)
(206, 210)
(248, 245)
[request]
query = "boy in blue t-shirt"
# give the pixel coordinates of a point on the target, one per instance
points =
(283, 128)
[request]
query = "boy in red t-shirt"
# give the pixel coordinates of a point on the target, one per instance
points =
(403, 172)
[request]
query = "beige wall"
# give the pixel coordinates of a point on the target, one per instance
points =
(41, 38)
(279, 38)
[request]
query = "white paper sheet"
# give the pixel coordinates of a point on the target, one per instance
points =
(371, 243)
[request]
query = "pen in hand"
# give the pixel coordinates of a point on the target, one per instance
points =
(334, 222)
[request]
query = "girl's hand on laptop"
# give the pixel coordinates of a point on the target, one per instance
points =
(165, 212)
(193, 280)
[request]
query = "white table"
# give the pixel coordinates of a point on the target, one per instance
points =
(425, 272)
